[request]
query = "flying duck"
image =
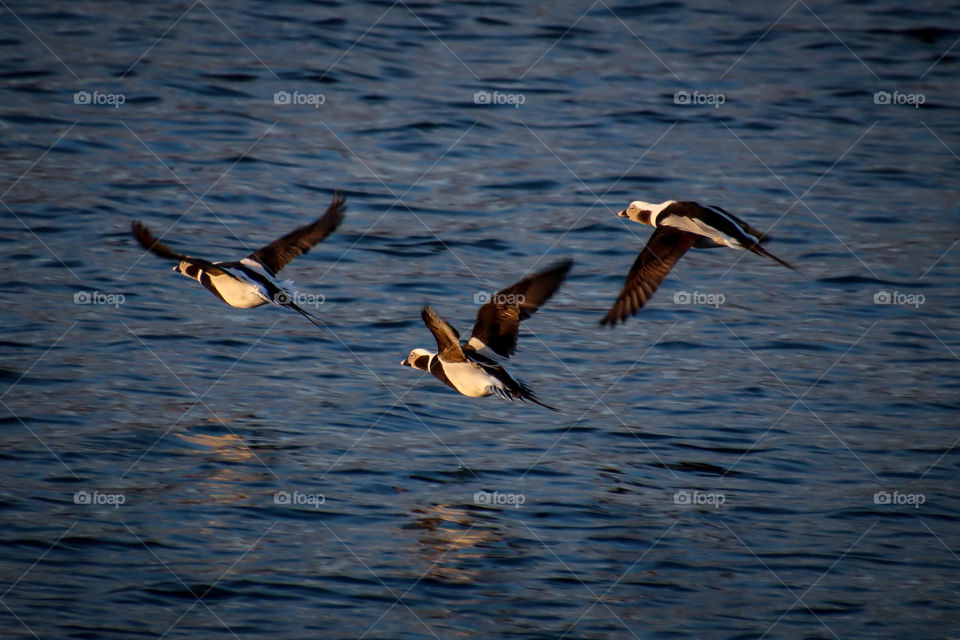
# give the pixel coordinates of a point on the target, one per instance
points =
(678, 227)
(252, 281)
(474, 367)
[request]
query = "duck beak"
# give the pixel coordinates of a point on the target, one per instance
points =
(404, 363)
(622, 214)
(177, 268)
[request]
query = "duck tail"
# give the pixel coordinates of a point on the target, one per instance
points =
(760, 251)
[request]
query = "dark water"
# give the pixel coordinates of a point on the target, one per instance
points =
(781, 413)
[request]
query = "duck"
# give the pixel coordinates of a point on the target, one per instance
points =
(475, 367)
(678, 227)
(252, 281)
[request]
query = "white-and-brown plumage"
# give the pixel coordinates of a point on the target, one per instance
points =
(678, 226)
(474, 367)
(252, 281)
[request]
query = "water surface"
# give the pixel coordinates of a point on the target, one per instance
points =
(749, 469)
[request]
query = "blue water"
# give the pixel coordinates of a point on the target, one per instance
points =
(780, 464)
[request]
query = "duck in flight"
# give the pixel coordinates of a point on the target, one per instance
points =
(678, 227)
(252, 281)
(474, 367)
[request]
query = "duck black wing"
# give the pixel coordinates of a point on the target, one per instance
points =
(278, 254)
(498, 320)
(147, 241)
(664, 248)
(448, 339)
